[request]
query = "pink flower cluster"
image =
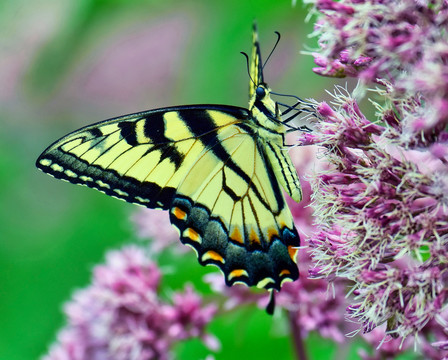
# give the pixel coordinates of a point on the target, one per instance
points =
(121, 316)
(155, 225)
(382, 209)
(403, 42)
(382, 220)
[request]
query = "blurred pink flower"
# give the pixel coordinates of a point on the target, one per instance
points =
(121, 316)
(138, 65)
(155, 225)
(314, 305)
(386, 348)
(311, 304)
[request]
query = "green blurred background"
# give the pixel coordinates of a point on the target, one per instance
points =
(65, 64)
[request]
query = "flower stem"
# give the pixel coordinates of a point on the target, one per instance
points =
(297, 339)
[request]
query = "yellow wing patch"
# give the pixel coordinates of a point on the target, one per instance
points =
(140, 158)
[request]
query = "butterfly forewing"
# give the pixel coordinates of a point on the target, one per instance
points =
(140, 158)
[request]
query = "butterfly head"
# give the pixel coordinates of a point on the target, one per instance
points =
(262, 99)
(260, 91)
(264, 110)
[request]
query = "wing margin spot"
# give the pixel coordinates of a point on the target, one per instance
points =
(71, 174)
(121, 193)
(293, 251)
(265, 283)
(103, 184)
(45, 162)
(285, 272)
(57, 168)
(212, 256)
(179, 213)
(85, 178)
(237, 273)
(192, 234)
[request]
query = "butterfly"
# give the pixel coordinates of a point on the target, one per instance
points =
(218, 170)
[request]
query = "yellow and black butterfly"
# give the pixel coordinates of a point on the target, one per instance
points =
(217, 169)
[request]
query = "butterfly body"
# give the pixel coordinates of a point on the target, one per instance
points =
(217, 169)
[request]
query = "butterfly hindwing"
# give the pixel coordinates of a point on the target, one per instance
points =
(237, 217)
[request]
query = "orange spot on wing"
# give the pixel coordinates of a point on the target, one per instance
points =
(213, 255)
(285, 272)
(236, 236)
(192, 235)
(237, 273)
(179, 213)
(253, 237)
(293, 250)
(271, 233)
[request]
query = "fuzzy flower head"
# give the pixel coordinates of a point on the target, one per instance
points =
(382, 220)
(155, 225)
(121, 316)
(403, 42)
(382, 208)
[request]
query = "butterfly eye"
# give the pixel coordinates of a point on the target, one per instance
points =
(260, 92)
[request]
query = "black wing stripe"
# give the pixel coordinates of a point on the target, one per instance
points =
(96, 132)
(154, 128)
(280, 161)
(210, 141)
(128, 132)
(273, 180)
(131, 190)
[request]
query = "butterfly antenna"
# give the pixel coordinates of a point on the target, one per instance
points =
(311, 108)
(288, 95)
(276, 43)
(248, 67)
